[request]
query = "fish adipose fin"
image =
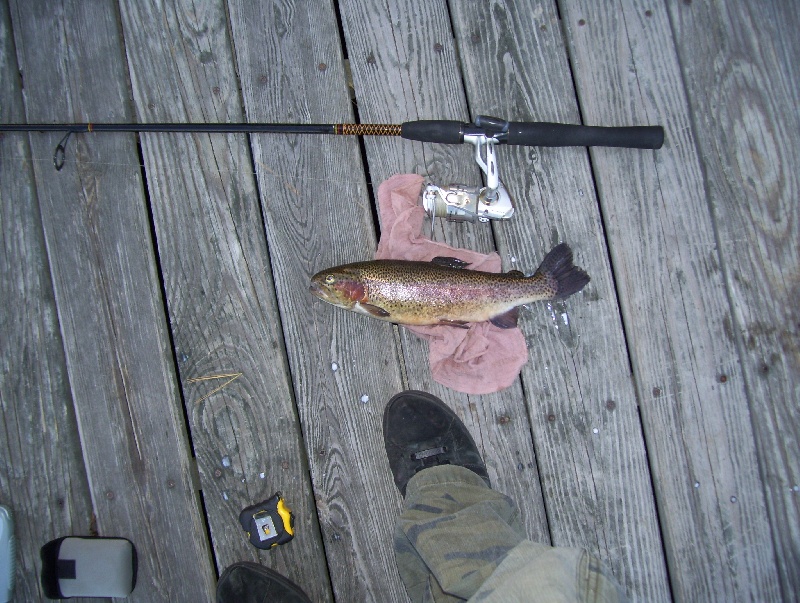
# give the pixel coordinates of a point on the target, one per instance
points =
(507, 320)
(448, 262)
(568, 278)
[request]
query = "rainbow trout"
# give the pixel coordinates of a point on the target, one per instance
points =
(442, 292)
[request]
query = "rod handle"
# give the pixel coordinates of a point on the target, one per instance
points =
(434, 130)
(537, 134)
(544, 134)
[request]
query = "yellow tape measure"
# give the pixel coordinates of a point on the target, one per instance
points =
(268, 523)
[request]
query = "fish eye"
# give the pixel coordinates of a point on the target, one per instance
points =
(330, 279)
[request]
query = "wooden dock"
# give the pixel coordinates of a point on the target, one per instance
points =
(164, 366)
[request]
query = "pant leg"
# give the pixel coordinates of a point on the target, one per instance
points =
(537, 572)
(453, 533)
(458, 538)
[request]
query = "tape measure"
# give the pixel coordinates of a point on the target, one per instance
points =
(268, 523)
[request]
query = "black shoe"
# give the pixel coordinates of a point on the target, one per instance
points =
(420, 431)
(247, 582)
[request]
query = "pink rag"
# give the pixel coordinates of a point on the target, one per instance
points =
(479, 360)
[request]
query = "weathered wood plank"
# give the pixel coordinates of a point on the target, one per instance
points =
(742, 96)
(581, 399)
(42, 477)
(694, 406)
(214, 261)
(739, 63)
(404, 68)
(415, 76)
(106, 287)
(317, 214)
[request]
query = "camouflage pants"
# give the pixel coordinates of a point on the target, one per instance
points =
(459, 540)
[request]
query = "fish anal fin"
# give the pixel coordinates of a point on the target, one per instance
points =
(506, 320)
(374, 310)
(449, 262)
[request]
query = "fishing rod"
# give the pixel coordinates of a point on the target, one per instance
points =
(456, 202)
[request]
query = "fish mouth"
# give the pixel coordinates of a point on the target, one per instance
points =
(323, 293)
(318, 291)
(328, 295)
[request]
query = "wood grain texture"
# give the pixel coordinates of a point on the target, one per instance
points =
(404, 67)
(42, 476)
(580, 394)
(673, 299)
(739, 64)
(109, 306)
(217, 278)
(402, 56)
(672, 271)
(317, 214)
(709, 223)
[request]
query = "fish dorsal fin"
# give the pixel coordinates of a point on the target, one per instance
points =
(516, 273)
(449, 262)
(507, 320)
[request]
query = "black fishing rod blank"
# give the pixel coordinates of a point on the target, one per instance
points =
(440, 131)
(457, 202)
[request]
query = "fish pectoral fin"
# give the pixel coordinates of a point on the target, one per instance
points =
(376, 311)
(449, 262)
(461, 324)
(506, 320)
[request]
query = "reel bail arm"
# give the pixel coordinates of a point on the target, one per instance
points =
(461, 203)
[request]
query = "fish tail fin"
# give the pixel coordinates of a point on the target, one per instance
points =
(558, 269)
